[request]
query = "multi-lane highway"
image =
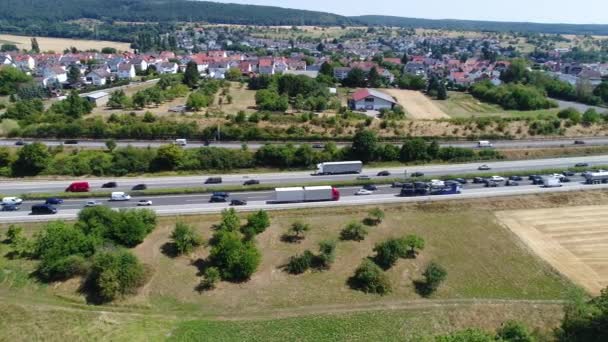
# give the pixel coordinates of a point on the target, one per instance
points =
(12, 187)
(499, 144)
(199, 204)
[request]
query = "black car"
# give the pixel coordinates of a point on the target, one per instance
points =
(397, 185)
(491, 184)
(478, 180)
(516, 178)
(511, 183)
(569, 173)
(238, 202)
(70, 142)
(538, 180)
(451, 182)
(54, 201)
(251, 182)
(533, 177)
(140, 187)
(383, 174)
(370, 187)
(318, 146)
(109, 185)
(462, 180)
(579, 142)
(565, 180)
(215, 199)
(19, 143)
(10, 207)
(214, 180)
(581, 165)
(220, 194)
(417, 174)
(43, 209)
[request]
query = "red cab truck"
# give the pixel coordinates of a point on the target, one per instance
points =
(78, 187)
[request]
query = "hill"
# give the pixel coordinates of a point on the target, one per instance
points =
(475, 25)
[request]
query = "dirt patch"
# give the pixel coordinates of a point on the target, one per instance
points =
(573, 241)
(416, 104)
(60, 44)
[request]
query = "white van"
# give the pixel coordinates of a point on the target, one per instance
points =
(119, 196)
(181, 142)
(12, 200)
(484, 143)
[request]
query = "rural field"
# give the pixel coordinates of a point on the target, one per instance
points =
(492, 277)
(416, 104)
(573, 241)
(60, 44)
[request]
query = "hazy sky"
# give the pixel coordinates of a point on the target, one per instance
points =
(552, 11)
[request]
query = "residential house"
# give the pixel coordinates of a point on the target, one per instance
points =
(126, 71)
(167, 68)
(25, 62)
(54, 74)
(341, 73)
(6, 59)
(266, 66)
(139, 63)
(99, 98)
(99, 77)
(218, 70)
(370, 99)
(415, 68)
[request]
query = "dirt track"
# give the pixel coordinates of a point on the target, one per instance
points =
(416, 104)
(573, 240)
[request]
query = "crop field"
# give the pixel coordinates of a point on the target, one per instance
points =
(416, 104)
(60, 44)
(574, 241)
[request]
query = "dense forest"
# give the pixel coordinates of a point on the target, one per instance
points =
(475, 25)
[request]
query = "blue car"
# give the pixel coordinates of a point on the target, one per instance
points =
(10, 207)
(54, 201)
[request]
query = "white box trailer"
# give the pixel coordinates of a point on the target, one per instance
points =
(551, 182)
(306, 194)
(484, 143)
(333, 168)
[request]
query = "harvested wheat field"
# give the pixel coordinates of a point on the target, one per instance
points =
(416, 104)
(573, 240)
(60, 44)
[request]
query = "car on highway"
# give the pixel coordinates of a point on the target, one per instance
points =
(451, 182)
(92, 203)
(10, 207)
(20, 143)
(144, 203)
(397, 185)
(437, 182)
(417, 174)
(70, 142)
(516, 178)
(569, 173)
(12, 200)
(251, 182)
(497, 178)
(579, 142)
(363, 192)
(220, 193)
(363, 177)
(511, 183)
(54, 201)
(490, 183)
(478, 180)
(537, 180)
(120, 196)
(533, 177)
(236, 202)
(213, 180)
(370, 187)
(581, 165)
(484, 168)
(318, 146)
(461, 180)
(139, 187)
(384, 173)
(43, 209)
(109, 185)
(565, 180)
(217, 199)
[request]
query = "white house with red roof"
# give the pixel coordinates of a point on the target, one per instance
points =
(371, 99)
(126, 71)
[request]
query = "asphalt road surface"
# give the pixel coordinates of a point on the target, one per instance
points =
(499, 144)
(199, 204)
(15, 187)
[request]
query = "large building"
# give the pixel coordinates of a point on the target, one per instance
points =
(370, 99)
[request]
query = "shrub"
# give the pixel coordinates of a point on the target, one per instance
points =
(370, 278)
(237, 260)
(115, 274)
(185, 238)
(256, 223)
(230, 221)
(300, 263)
(132, 226)
(434, 275)
(389, 251)
(13, 233)
(414, 243)
(210, 278)
(375, 216)
(353, 231)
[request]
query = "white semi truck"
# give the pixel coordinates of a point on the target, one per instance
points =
(306, 194)
(333, 168)
(596, 177)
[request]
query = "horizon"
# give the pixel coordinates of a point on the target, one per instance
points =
(560, 11)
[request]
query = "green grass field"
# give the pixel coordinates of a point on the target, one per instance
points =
(492, 277)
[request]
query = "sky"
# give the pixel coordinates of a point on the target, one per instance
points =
(542, 11)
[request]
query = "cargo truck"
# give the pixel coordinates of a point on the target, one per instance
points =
(425, 189)
(596, 177)
(334, 168)
(306, 194)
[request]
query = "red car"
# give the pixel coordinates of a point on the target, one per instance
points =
(78, 187)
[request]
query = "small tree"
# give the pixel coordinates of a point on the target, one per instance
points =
(210, 278)
(515, 332)
(376, 216)
(191, 75)
(353, 231)
(370, 278)
(111, 144)
(300, 263)
(434, 275)
(230, 220)
(13, 233)
(185, 238)
(414, 244)
(389, 251)
(298, 229)
(327, 254)
(256, 224)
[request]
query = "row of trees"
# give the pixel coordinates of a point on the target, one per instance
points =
(92, 248)
(512, 96)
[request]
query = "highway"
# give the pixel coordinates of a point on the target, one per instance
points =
(199, 204)
(15, 186)
(499, 144)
